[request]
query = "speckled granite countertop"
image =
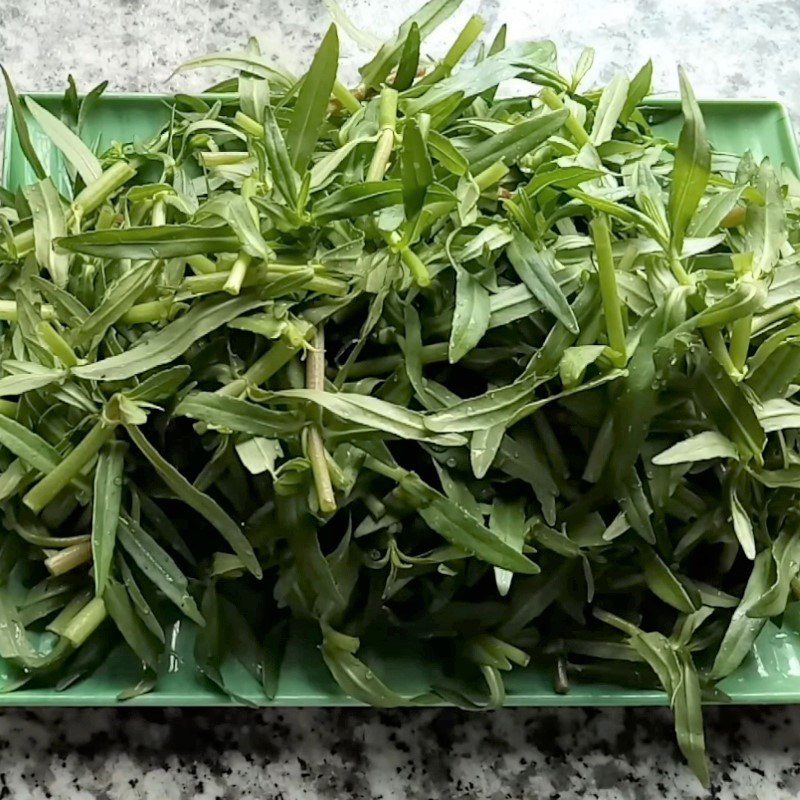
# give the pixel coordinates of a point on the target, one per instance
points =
(354, 754)
(745, 49)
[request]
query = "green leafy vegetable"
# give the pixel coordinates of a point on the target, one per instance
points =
(425, 363)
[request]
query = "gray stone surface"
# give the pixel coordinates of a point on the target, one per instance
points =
(360, 754)
(744, 49)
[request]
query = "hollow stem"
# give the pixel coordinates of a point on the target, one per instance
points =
(608, 290)
(8, 311)
(259, 275)
(741, 329)
(716, 344)
(24, 242)
(431, 354)
(469, 34)
(740, 342)
(158, 216)
(201, 265)
(345, 97)
(491, 175)
(69, 558)
(416, 266)
(96, 193)
(387, 121)
(249, 125)
(151, 311)
(267, 365)
(86, 621)
(69, 612)
(56, 344)
(211, 158)
(233, 283)
(67, 469)
(554, 102)
(315, 381)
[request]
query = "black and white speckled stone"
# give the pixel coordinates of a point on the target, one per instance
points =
(744, 49)
(741, 49)
(335, 754)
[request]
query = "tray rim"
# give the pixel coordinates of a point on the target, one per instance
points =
(785, 118)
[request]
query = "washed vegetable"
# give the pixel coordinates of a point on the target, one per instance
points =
(512, 378)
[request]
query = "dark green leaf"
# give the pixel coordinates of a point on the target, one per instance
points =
(106, 506)
(21, 127)
(312, 101)
(204, 505)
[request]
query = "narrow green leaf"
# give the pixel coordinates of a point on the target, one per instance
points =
(171, 341)
(663, 583)
(506, 405)
(446, 153)
(710, 216)
(638, 89)
(512, 62)
(728, 408)
(204, 505)
(118, 299)
(140, 604)
(312, 101)
(231, 414)
(21, 126)
(160, 385)
(360, 681)
(507, 520)
(89, 103)
(75, 151)
(287, 181)
(158, 567)
(514, 142)
(700, 447)
(28, 445)
(133, 630)
(778, 415)
(106, 505)
(537, 269)
(483, 448)
(462, 530)
(235, 210)
(409, 60)
(470, 315)
(21, 383)
(692, 166)
(740, 517)
(765, 225)
(743, 629)
(371, 412)
(245, 62)
(356, 200)
(147, 242)
(259, 454)
(49, 223)
(609, 109)
(328, 164)
(427, 19)
(575, 362)
(786, 563)
(416, 169)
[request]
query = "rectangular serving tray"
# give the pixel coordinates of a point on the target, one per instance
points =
(771, 673)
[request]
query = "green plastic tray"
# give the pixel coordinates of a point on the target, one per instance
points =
(771, 674)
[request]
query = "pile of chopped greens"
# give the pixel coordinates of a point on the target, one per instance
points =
(512, 376)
